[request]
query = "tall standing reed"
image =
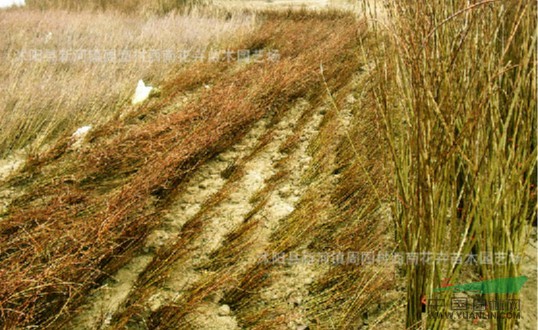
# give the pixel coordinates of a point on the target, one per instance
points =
(457, 100)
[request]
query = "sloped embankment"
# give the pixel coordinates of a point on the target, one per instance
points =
(162, 217)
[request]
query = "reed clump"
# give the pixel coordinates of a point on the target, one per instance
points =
(456, 97)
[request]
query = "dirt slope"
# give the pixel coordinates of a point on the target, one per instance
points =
(163, 214)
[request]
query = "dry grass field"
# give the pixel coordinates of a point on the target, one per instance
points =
(299, 164)
(66, 69)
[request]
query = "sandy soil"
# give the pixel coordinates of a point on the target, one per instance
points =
(258, 164)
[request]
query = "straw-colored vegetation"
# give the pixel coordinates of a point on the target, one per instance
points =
(124, 6)
(407, 129)
(62, 70)
(457, 98)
